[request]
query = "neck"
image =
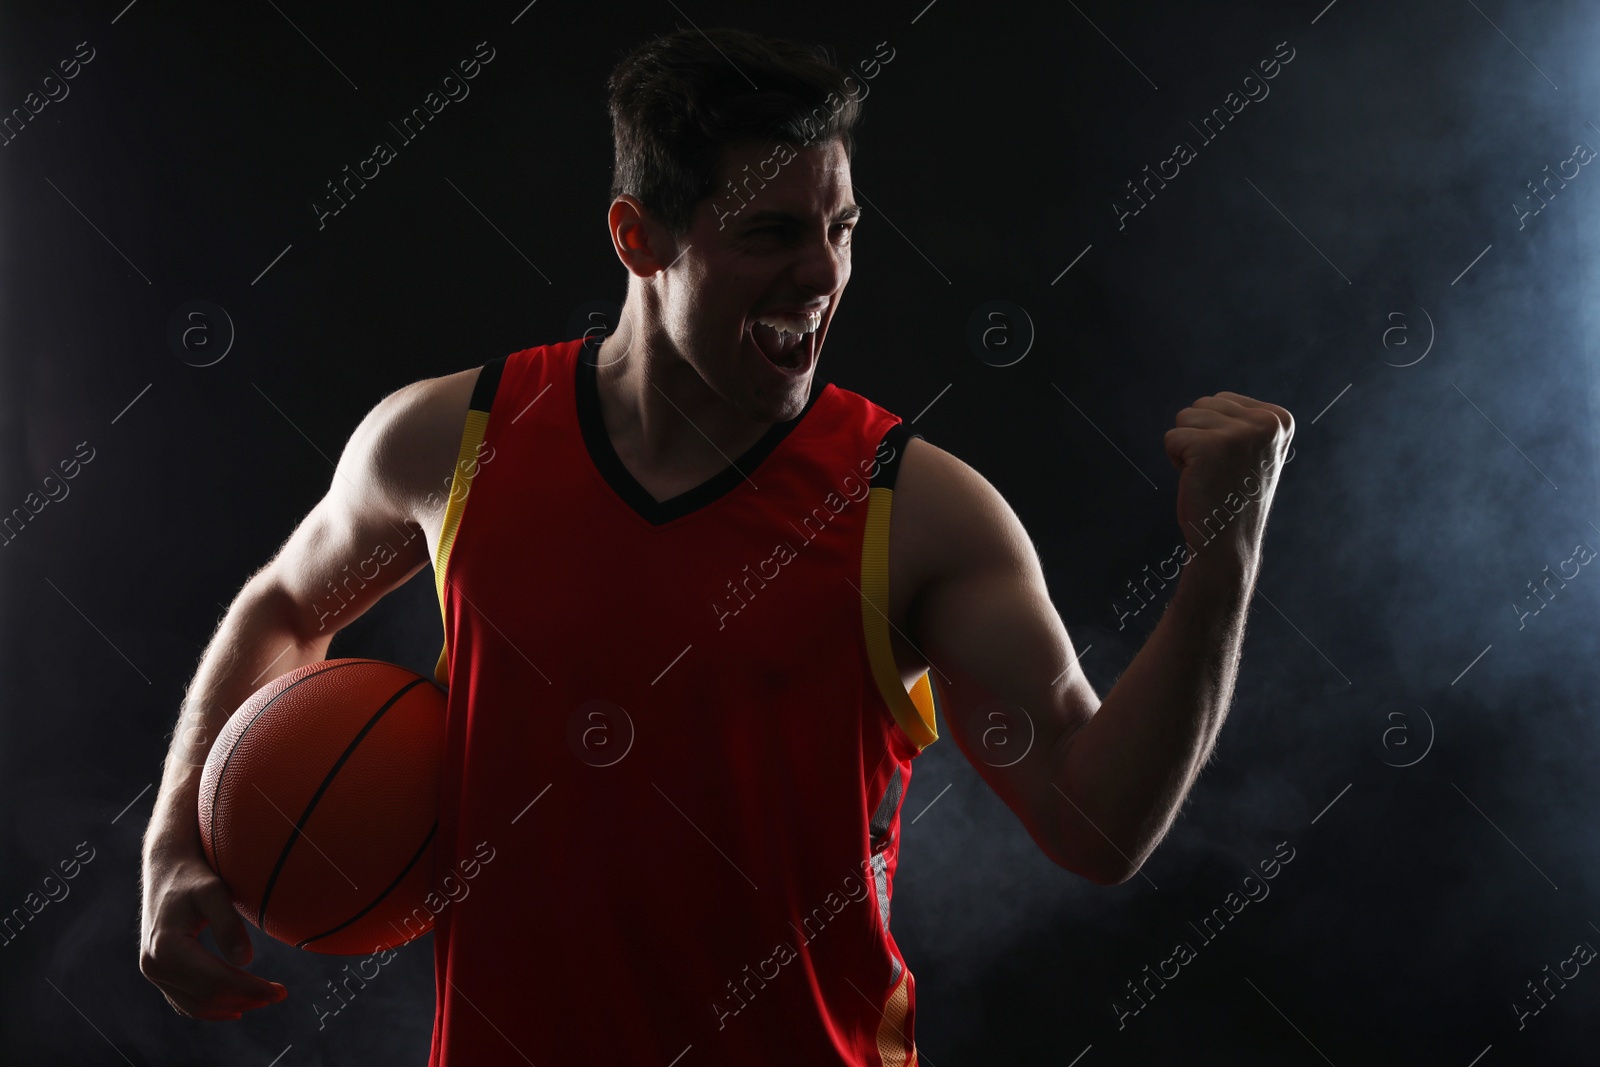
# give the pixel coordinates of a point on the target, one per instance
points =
(663, 419)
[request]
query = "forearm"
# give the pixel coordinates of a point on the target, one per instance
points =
(255, 643)
(1124, 774)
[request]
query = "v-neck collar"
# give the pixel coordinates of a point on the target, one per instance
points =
(623, 483)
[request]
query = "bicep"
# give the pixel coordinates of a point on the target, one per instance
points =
(1009, 684)
(361, 540)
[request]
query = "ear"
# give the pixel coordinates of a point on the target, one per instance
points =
(640, 242)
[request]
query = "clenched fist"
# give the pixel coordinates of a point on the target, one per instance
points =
(1228, 450)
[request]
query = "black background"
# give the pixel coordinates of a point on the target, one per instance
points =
(1422, 499)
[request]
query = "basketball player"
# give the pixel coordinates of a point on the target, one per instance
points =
(690, 658)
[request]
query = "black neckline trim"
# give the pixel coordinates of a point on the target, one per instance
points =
(611, 468)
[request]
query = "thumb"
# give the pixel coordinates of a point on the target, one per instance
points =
(227, 927)
(1172, 445)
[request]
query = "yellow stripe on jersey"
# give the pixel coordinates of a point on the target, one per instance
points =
(914, 711)
(460, 484)
(892, 1041)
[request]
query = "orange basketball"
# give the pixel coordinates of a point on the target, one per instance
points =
(320, 801)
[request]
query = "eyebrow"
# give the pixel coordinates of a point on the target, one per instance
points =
(769, 215)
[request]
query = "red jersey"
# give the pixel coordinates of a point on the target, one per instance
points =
(677, 733)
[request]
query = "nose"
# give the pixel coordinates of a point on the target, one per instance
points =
(823, 266)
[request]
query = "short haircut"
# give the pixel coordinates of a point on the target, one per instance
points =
(679, 101)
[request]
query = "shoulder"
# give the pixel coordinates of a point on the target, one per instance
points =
(940, 489)
(953, 518)
(408, 443)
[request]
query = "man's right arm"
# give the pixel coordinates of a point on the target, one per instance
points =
(384, 483)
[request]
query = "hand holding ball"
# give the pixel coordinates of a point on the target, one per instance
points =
(319, 804)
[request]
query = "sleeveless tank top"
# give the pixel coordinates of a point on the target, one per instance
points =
(677, 742)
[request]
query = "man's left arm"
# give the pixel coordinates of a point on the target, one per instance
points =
(1100, 782)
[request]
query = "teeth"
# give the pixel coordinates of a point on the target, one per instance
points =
(793, 324)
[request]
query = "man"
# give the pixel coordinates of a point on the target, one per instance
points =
(690, 659)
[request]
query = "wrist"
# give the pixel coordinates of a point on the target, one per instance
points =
(1221, 567)
(174, 827)
(174, 845)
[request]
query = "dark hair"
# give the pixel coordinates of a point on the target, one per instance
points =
(680, 100)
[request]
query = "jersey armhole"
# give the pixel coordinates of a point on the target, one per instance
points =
(913, 711)
(460, 484)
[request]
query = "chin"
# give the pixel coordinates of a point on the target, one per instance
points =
(773, 407)
(786, 402)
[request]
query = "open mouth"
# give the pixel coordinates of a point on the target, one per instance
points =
(787, 341)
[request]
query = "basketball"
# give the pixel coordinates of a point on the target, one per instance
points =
(319, 804)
